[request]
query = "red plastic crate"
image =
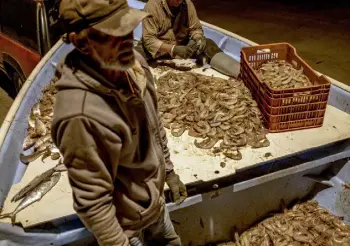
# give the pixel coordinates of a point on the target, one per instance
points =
(285, 109)
(290, 116)
(287, 98)
(293, 125)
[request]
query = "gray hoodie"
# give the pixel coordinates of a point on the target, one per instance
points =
(115, 149)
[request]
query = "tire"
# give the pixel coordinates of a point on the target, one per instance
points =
(17, 78)
(7, 84)
(18, 81)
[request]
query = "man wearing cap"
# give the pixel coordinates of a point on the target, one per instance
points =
(107, 127)
(174, 30)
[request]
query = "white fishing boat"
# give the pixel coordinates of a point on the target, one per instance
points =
(309, 163)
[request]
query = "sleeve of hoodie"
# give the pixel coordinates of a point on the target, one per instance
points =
(150, 29)
(168, 163)
(195, 27)
(91, 175)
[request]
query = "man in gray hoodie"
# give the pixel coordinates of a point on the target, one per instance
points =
(107, 127)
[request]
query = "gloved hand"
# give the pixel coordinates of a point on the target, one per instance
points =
(183, 51)
(201, 44)
(193, 45)
(178, 189)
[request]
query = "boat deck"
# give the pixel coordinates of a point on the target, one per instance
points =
(192, 164)
(293, 154)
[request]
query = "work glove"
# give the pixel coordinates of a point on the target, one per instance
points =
(193, 45)
(201, 44)
(177, 188)
(182, 51)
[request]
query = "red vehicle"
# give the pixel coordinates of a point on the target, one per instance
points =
(28, 28)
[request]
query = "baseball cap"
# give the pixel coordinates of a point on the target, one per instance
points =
(112, 17)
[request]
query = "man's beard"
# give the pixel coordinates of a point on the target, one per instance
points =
(115, 65)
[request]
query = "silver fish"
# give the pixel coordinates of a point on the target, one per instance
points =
(34, 196)
(31, 120)
(40, 127)
(44, 146)
(61, 168)
(55, 153)
(36, 181)
(55, 156)
(41, 141)
(53, 99)
(54, 149)
(36, 109)
(51, 151)
(47, 118)
(29, 142)
(26, 159)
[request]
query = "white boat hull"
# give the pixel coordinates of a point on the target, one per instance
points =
(213, 213)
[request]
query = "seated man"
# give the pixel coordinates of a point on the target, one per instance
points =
(174, 30)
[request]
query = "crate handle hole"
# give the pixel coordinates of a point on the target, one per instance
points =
(263, 51)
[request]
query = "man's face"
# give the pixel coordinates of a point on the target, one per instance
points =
(111, 52)
(174, 3)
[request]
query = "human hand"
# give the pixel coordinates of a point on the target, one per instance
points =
(201, 44)
(193, 45)
(183, 51)
(177, 188)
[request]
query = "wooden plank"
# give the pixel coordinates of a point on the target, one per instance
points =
(191, 164)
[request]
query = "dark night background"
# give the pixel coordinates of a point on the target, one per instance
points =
(320, 30)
